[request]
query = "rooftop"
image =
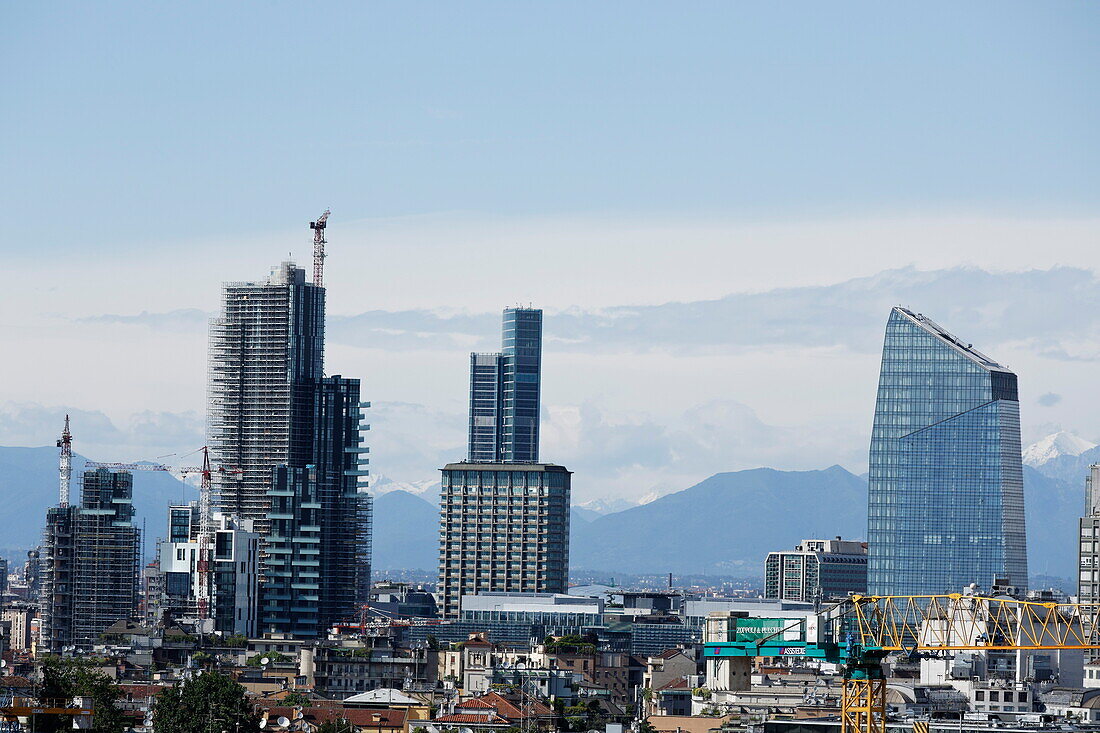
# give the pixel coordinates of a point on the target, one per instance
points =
(966, 349)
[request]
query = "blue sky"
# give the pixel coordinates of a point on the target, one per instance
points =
(727, 170)
(131, 122)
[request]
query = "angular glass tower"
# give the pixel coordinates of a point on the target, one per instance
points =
(946, 500)
(505, 393)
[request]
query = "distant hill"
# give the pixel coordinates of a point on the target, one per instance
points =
(28, 485)
(406, 532)
(1053, 508)
(728, 523)
(725, 524)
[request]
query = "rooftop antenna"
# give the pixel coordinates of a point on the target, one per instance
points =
(65, 443)
(318, 228)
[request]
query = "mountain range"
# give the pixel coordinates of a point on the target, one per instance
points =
(725, 524)
(1063, 456)
(28, 485)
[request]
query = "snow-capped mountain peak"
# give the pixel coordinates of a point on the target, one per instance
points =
(1057, 444)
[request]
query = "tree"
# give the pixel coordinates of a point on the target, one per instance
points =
(66, 678)
(340, 725)
(207, 703)
(646, 727)
(296, 699)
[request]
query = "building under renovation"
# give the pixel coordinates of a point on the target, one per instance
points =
(292, 437)
(174, 584)
(89, 562)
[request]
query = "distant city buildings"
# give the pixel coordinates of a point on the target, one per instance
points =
(504, 393)
(291, 436)
(946, 505)
(816, 570)
(503, 527)
(89, 563)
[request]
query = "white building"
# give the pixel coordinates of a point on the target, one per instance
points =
(236, 574)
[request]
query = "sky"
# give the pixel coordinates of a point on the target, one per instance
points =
(715, 203)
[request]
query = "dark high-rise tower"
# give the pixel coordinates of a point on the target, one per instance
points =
(946, 481)
(294, 435)
(505, 393)
(89, 562)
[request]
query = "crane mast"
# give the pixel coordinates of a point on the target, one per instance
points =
(205, 540)
(65, 443)
(318, 228)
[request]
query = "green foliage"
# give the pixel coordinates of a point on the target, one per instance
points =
(235, 641)
(701, 693)
(340, 725)
(207, 703)
(66, 678)
(646, 727)
(202, 659)
(433, 642)
(420, 729)
(297, 699)
(568, 644)
(273, 657)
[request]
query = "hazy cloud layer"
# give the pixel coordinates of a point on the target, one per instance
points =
(996, 307)
(141, 437)
(642, 400)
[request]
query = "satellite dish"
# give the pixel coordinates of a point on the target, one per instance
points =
(265, 660)
(3, 663)
(284, 722)
(263, 723)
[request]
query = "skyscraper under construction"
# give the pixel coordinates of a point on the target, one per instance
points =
(89, 563)
(292, 437)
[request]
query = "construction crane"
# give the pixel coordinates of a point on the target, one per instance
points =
(65, 443)
(205, 566)
(860, 632)
(318, 228)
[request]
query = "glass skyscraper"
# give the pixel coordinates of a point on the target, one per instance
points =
(504, 393)
(946, 503)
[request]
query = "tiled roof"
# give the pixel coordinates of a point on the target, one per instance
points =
(356, 716)
(14, 681)
(470, 718)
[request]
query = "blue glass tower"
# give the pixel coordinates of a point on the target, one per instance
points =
(505, 393)
(946, 503)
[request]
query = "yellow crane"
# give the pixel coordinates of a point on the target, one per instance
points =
(861, 631)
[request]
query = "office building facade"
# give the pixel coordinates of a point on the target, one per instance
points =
(292, 437)
(946, 505)
(503, 527)
(505, 393)
(1088, 550)
(816, 570)
(89, 563)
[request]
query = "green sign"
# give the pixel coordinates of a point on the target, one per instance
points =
(751, 629)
